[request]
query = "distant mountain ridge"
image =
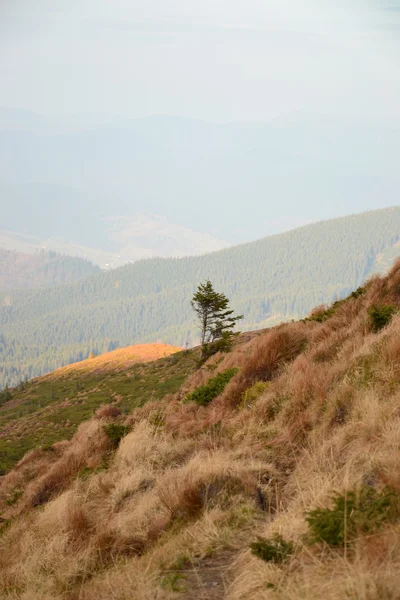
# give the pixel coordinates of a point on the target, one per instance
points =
(271, 280)
(41, 269)
(66, 220)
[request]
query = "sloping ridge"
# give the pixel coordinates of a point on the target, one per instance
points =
(271, 473)
(122, 358)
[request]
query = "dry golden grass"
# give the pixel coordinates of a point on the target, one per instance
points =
(121, 358)
(172, 512)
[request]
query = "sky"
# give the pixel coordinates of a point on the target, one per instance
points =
(217, 60)
(317, 83)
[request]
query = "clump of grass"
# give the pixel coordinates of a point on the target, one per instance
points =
(14, 497)
(275, 550)
(204, 394)
(107, 411)
(380, 315)
(353, 514)
(156, 419)
(116, 432)
(86, 472)
(174, 582)
(252, 393)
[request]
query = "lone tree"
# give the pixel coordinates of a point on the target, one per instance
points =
(215, 319)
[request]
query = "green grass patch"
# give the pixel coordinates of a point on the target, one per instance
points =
(47, 410)
(204, 394)
(253, 393)
(174, 582)
(14, 497)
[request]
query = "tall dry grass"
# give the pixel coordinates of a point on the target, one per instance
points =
(172, 512)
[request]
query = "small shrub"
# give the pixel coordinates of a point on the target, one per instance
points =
(381, 315)
(253, 393)
(116, 432)
(276, 550)
(352, 515)
(204, 394)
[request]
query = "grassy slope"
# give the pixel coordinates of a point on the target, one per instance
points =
(172, 510)
(50, 408)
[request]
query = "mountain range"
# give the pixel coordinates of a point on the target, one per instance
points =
(274, 279)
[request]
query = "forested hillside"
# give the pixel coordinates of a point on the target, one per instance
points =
(41, 269)
(277, 278)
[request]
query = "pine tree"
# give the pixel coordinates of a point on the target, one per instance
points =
(215, 319)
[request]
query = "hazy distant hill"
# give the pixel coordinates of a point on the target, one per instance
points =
(270, 280)
(68, 220)
(41, 270)
(232, 181)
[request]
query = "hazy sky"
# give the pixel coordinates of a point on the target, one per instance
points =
(218, 60)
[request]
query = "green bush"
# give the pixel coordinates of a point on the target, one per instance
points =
(276, 550)
(116, 432)
(213, 388)
(381, 315)
(353, 514)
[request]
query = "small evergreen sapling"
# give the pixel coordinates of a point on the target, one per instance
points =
(215, 319)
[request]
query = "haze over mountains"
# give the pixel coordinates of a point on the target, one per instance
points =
(271, 280)
(166, 186)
